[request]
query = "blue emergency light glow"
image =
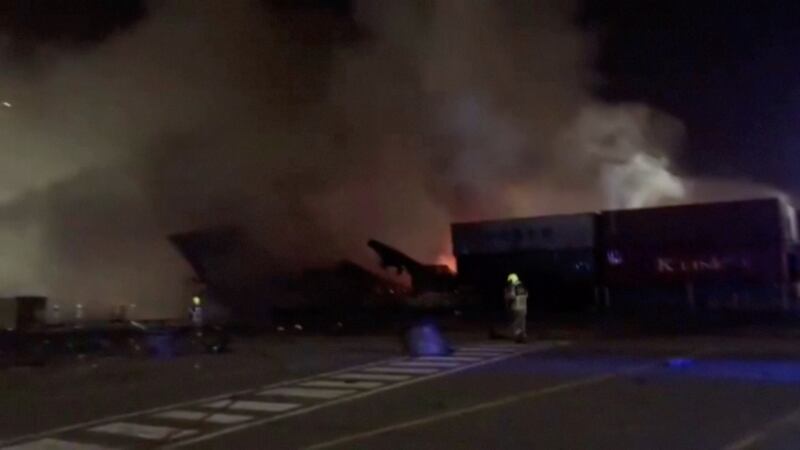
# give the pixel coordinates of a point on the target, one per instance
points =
(425, 339)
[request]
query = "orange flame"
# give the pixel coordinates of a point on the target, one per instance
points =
(447, 260)
(446, 257)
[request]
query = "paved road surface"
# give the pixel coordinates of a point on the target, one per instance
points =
(649, 394)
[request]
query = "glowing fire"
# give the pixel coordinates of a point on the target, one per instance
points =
(447, 260)
(446, 257)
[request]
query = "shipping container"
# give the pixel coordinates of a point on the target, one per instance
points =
(702, 299)
(738, 223)
(730, 255)
(556, 279)
(8, 314)
(699, 262)
(22, 313)
(541, 266)
(553, 255)
(30, 311)
(562, 232)
(702, 257)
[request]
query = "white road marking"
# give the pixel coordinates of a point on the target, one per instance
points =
(447, 358)
(494, 355)
(136, 430)
(404, 370)
(181, 414)
(746, 442)
(390, 387)
(343, 384)
(372, 376)
(217, 418)
(325, 394)
(246, 405)
(193, 402)
(480, 407)
(478, 353)
(434, 364)
(509, 346)
(227, 401)
(227, 419)
(55, 444)
(490, 348)
(763, 433)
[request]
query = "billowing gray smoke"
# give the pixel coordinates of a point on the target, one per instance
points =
(313, 135)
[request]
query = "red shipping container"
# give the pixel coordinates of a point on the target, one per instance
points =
(627, 265)
(738, 223)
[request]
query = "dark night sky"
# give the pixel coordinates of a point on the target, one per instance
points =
(729, 70)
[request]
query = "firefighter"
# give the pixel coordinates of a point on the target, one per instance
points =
(56, 318)
(78, 315)
(196, 313)
(516, 297)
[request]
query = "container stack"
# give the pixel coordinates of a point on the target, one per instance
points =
(553, 255)
(731, 255)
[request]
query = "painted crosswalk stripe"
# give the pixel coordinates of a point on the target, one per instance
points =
(55, 444)
(325, 394)
(343, 384)
(479, 353)
(218, 418)
(404, 370)
(254, 406)
(492, 348)
(181, 414)
(466, 359)
(228, 419)
(412, 363)
(372, 376)
(136, 430)
(483, 355)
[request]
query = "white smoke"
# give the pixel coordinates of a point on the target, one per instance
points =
(632, 144)
(641, 181)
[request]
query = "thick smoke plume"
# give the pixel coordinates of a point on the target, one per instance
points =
(314, 131)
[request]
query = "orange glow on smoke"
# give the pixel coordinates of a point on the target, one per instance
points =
(447, 259)
(445, 256)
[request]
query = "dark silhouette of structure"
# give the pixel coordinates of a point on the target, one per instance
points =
(424, 277)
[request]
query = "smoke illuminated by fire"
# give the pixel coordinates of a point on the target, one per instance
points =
(447, 259)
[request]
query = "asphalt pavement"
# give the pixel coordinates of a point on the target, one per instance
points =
(361, 393)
